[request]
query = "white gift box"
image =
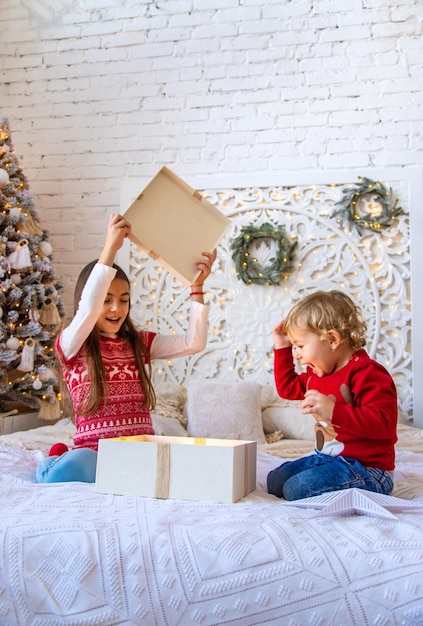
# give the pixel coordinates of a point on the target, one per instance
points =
(174, 224)
(183, 468)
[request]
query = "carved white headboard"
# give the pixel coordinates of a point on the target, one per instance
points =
(378, 269)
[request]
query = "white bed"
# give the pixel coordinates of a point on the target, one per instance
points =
(72, 556)
(75, 557)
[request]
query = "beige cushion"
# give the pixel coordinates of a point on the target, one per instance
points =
(224, 410)
(170, 401)
(288, 418)
(168, 426)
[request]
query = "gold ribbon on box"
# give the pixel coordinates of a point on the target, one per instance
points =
(163, 470)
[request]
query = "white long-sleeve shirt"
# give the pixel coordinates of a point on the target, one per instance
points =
(73, 336)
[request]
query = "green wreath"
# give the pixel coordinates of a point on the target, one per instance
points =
(249, 269)
(386, 207)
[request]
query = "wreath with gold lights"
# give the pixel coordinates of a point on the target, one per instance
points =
(249, 269)
(382, 212)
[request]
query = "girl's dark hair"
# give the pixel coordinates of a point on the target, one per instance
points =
(93, 358)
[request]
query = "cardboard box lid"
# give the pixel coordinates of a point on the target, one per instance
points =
(174, 224)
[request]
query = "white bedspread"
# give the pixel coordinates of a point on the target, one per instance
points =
(72, 556)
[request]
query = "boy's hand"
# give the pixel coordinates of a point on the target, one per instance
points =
(279, 338)
(319, 405)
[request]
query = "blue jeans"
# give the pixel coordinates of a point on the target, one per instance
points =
(78, 465)
(319, 473)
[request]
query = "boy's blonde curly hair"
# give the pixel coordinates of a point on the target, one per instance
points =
(323, 311)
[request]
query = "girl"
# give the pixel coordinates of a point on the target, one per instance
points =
(351, 397)
(106, 362)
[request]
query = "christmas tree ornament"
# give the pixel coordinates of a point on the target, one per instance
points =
(30, 226)
(37, 384)
(4, 149)
(46, 248)
(46, 373)
(49, 314)
(49, 410)
(27, 356)
(4, 177)
(20, 258)
(34, 314)
(16, 279)
(13, 343)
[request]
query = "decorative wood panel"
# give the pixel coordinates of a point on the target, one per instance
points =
(372, 267)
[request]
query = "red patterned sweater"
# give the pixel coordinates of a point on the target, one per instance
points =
(123, 414)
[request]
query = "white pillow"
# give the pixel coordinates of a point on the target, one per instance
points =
(288, 418)
(168, 426)
(224, 410)
(269, 396)
(170, 401)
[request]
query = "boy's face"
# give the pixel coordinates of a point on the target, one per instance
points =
(115, 307)
(312, 350)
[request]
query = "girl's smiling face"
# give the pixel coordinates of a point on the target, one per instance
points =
(115, 307)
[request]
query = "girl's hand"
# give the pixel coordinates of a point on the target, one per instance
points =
(279, 338)
(205, 267)
(117, 230)
(318, 404)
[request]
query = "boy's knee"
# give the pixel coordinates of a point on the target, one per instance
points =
(275, 484)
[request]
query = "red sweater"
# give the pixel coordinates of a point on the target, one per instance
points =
(365, 412)
(123, 413)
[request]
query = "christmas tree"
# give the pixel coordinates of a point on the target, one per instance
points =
(31, 309)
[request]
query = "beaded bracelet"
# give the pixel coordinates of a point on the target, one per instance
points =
(197, 293)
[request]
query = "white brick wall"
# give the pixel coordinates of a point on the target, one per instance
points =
(96, 92)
